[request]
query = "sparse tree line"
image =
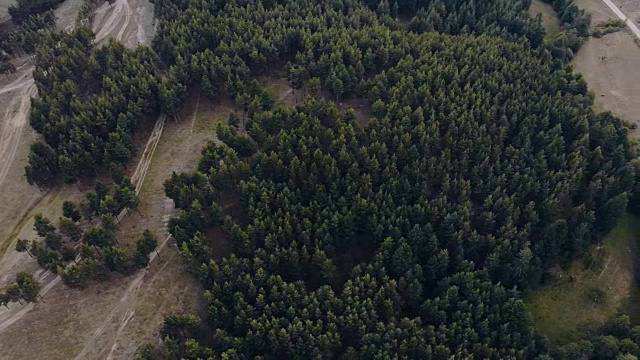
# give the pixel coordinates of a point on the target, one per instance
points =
(84, 246)
(617, 340)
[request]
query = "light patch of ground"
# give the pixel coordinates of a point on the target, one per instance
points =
(4, 6)
(550, 19)
(286, 95)
(610, 66)
(67, 13)
(631, 8)
(129, 21)
(280, 88)
(566, 311)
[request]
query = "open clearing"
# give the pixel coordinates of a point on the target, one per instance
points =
(588, 293)
(550, 20)
(610, 64)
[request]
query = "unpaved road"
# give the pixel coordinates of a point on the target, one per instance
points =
(630, 22)
(128, 21)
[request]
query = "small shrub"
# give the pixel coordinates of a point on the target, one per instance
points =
(608, 27)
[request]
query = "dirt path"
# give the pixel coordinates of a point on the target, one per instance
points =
(128, 21)
(622, 16)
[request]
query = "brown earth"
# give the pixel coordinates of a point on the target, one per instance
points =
(610, 66)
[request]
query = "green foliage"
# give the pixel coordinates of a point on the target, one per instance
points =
(71, 211)
(616, 340)
(42, 225)
(43, 164)
(70, 229)
(25, 8)
(91, 101)
(144, 246)
(608, 27)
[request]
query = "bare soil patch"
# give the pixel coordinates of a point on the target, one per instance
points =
(128, 21)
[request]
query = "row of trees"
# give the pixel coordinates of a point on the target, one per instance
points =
(25, 288)
(81, 251)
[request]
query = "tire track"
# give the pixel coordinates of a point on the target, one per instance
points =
(138, 179)
(13, 128)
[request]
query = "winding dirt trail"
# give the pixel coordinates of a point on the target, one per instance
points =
(16, 115)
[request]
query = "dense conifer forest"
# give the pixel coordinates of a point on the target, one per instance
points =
(407, 234)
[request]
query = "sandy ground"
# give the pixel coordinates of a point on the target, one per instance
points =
(129, 21)
(610, 64)
(4, 6)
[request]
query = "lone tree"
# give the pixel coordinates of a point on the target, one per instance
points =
(70, 229)
(99, 238)
(127, 198)
(109, 205)
(145, 245)
(110, 223)
(23, 246)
